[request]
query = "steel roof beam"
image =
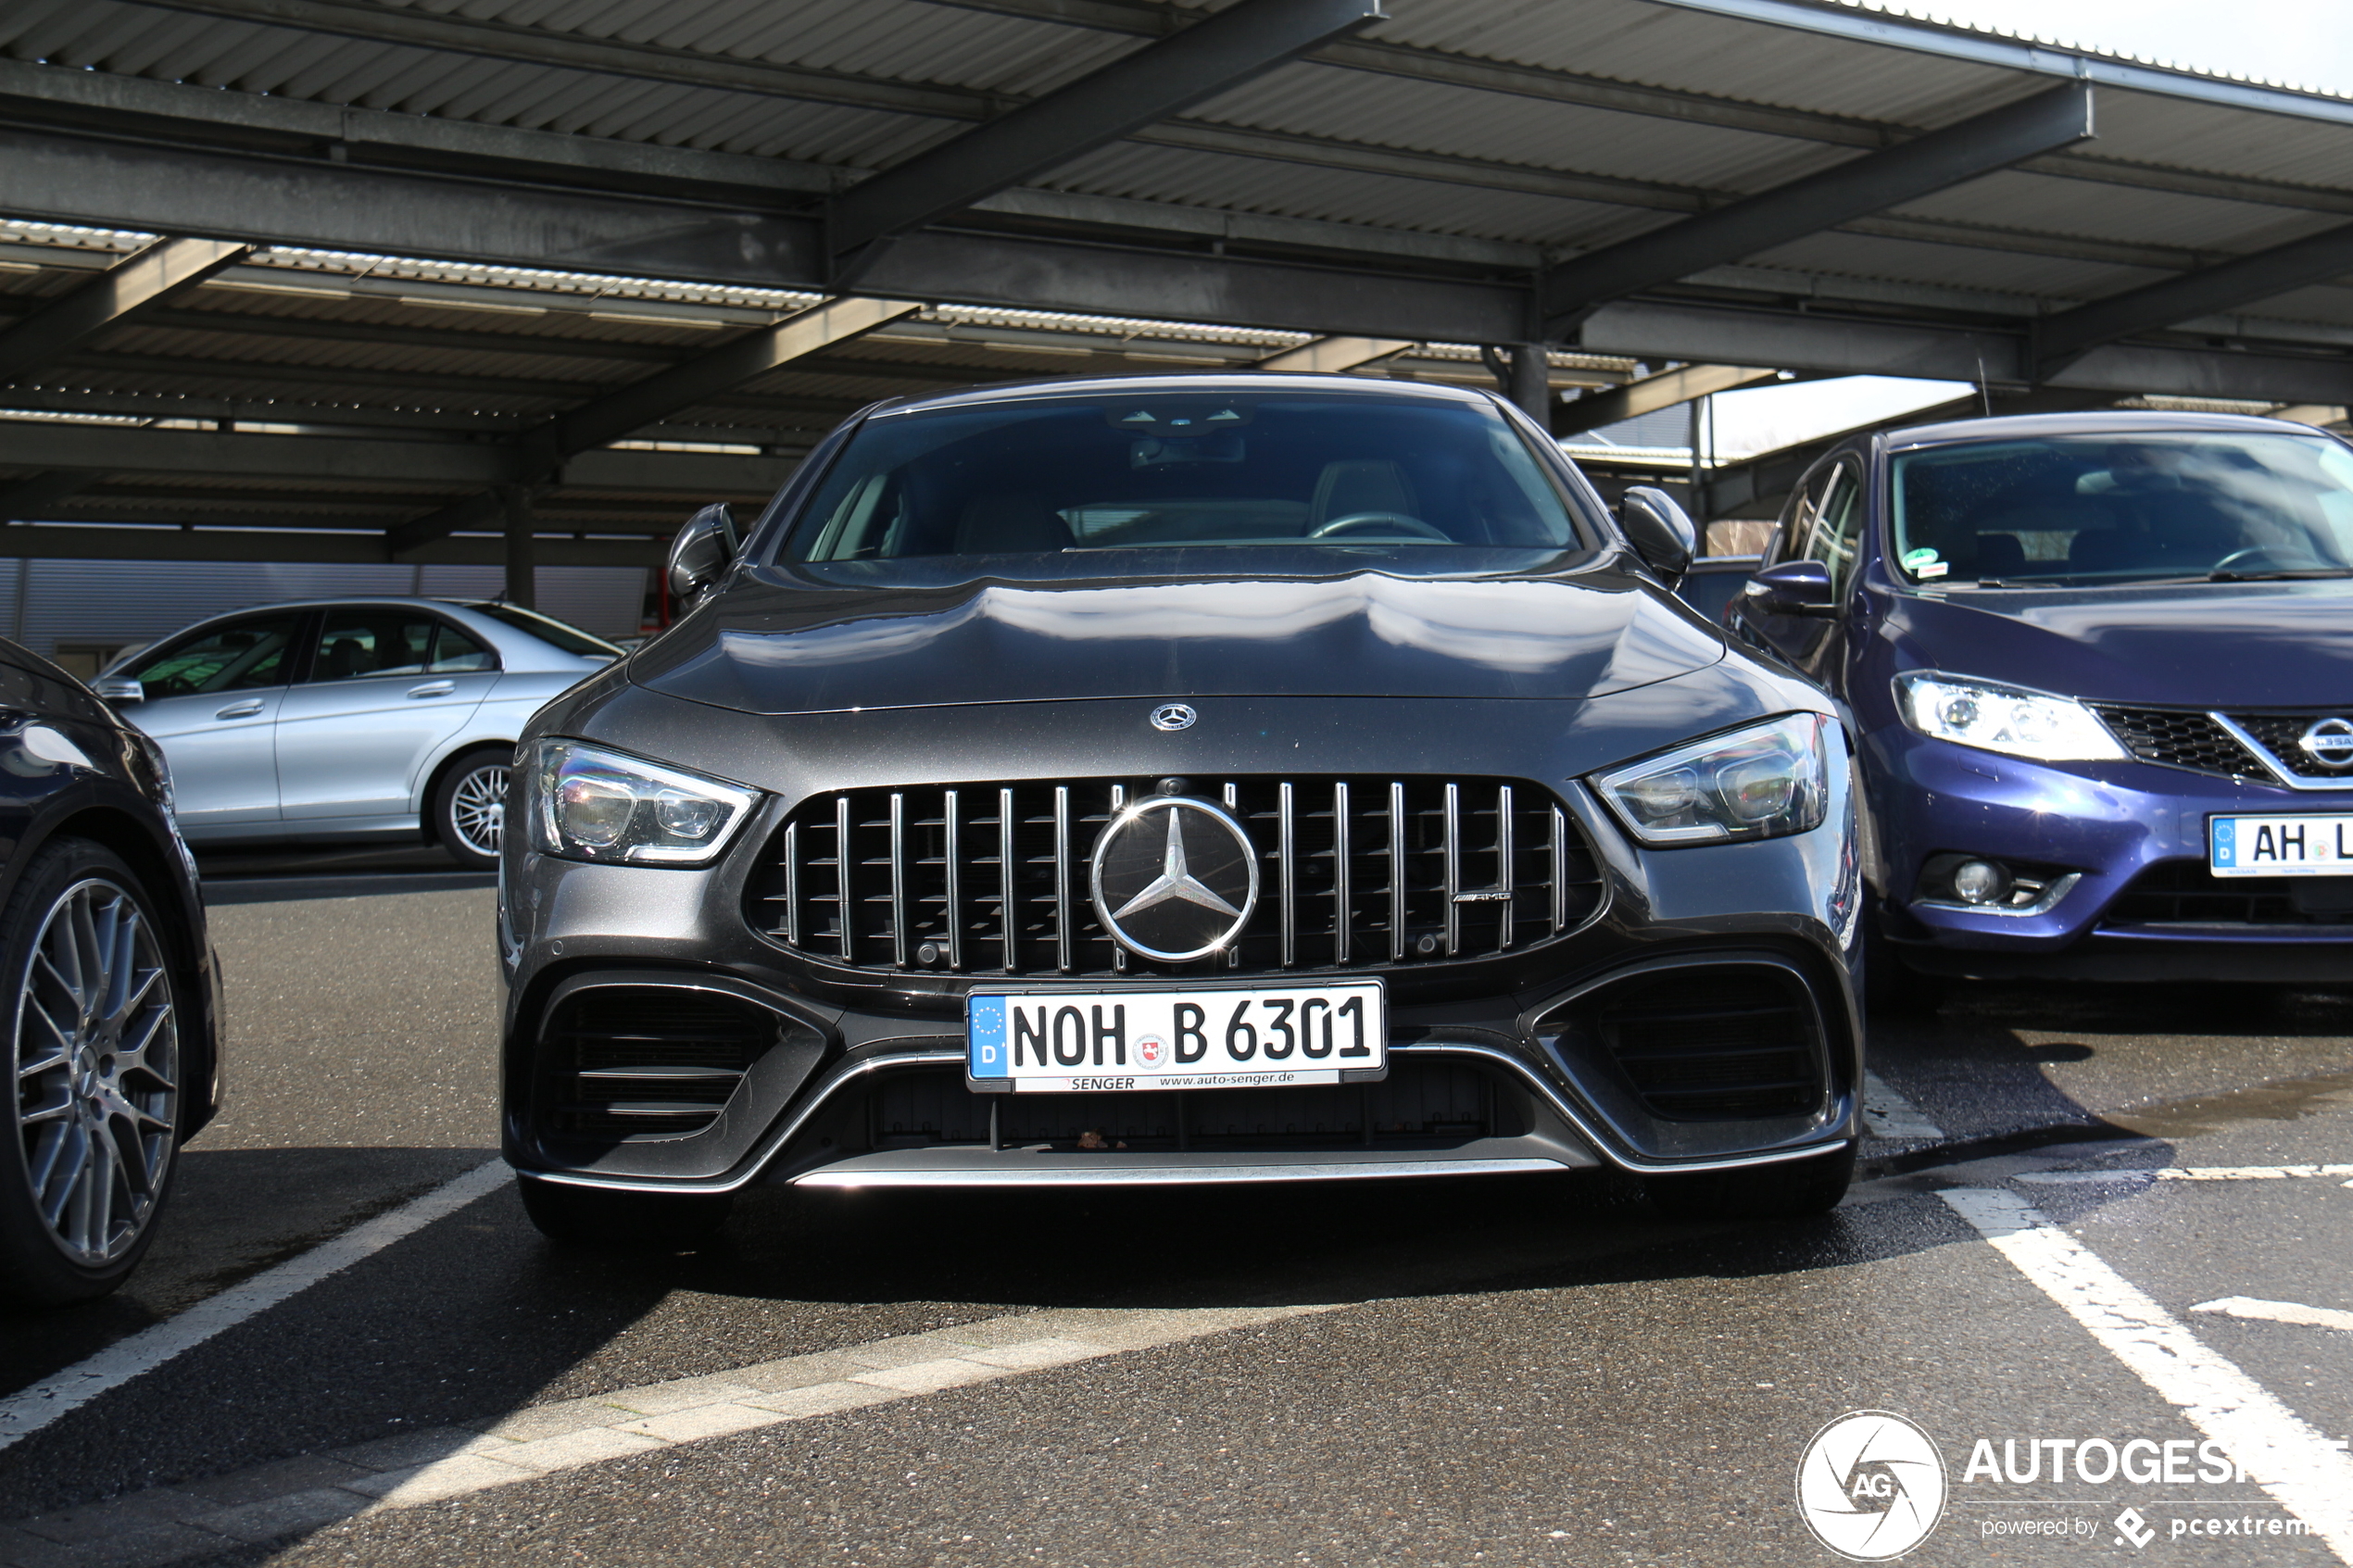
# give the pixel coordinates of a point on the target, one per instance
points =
(1854, 189)
(729, 365)
(27, 500)
(1334, 356)
(1651, 393)
(148, 276)
(2063, 338)
(1234, 45)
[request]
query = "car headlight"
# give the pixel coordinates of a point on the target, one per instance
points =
(1764, 781)
(590, 804)
(1994, 716)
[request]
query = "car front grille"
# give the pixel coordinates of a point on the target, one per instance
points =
(2182, 738)
(648, 1061)
(2282, 733)
(1420, 1100)
(1714, 1047)
(2184, 893)
(1354, 873)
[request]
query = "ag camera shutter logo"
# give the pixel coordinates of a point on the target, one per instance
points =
(1870, 1485)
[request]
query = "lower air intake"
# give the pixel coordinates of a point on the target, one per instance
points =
(1715, 1046)
(648, 1061)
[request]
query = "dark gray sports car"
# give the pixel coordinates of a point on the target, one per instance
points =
(1244, 779)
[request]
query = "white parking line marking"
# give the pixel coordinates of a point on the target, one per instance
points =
(2282, 1453)
(2279, 1311)
(34, 1408)
(2189, 1173)
(1890, 1115)
(172, 1524)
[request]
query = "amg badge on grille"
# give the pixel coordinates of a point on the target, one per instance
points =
(1173, 878)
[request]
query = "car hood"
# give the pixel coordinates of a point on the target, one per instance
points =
(2257, 645)
(766, 646)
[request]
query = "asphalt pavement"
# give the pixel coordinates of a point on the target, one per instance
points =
(2095, 1219)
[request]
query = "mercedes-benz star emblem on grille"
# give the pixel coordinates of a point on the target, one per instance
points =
(1174, 879)
(1173, 716)
(2330, 743)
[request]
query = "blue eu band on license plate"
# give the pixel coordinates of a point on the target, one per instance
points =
(2298, 844)
(1075, 1042)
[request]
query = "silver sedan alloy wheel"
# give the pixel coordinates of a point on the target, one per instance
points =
(97, 1064)
(478, 808)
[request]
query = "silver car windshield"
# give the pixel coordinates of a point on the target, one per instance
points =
(1182, 482)
(2161, 505)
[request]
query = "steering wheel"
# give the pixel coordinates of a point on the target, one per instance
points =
(1386, 522)
(2268, 558)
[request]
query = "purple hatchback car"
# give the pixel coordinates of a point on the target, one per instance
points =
(2101, 667)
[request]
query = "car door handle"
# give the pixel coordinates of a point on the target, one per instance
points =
(434, 688)
(241, 709)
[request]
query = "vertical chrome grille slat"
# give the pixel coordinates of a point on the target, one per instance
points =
(934, 843)
(899, 879)
(1339, 872)
(1451, 845)
(1504, 863)
(1287, 849)
(1560, 871)
(952, 852)
(1061, 877)
(843, 910)
(792, 883)
(1008, 916)
(1396, 872)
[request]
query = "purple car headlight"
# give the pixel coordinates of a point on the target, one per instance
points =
(1766, 781)
(2013, 720)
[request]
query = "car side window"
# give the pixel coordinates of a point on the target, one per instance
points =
(232, 658)
(454, 653)
(1836, 523)
(1797, 521)
(354, 644)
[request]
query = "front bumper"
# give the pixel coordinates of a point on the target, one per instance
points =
(1499, 1064)
(2116, 829)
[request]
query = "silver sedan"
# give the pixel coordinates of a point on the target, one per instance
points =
(350, 718)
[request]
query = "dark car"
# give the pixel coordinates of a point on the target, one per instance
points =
(1147, 781)
(2102, 670)
(111, 1000)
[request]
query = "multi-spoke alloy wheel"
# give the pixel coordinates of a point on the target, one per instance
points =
(470, 806)
(96, 1054)
(478, 808)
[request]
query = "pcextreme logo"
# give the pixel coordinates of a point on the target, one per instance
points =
(1870, 1485)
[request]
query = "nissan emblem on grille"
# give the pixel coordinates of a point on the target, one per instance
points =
(2330, 743)
(1173, 878)
(1173, 716)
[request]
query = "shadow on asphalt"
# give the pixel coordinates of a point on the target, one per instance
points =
(331, 872)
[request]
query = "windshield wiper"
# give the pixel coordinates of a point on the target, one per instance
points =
(2285, 575)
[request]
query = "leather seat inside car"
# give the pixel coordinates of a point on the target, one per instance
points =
(1009, 525)
(1360, 484)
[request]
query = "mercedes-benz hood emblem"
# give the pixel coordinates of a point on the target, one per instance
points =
(1173, 878)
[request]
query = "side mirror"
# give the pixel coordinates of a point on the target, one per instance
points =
(701, 553)
(1795, 587)
(1660, 531)
(118, 688)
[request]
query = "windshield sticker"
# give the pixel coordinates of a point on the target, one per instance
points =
(1922, 563)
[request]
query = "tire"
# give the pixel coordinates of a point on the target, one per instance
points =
(600, 1218)
(89, 1008)
(1891, 986)
(468, 807)
(1790, 1191)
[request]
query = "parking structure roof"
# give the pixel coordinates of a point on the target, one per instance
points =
(387, 263)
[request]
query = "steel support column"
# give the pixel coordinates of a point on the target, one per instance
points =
(523, 574)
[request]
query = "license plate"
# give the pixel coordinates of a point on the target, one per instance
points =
(2307, 844)
(1077, 1042)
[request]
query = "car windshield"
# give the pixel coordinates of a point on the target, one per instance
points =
(566, 639)
(2197, 505)
(1176, 483)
